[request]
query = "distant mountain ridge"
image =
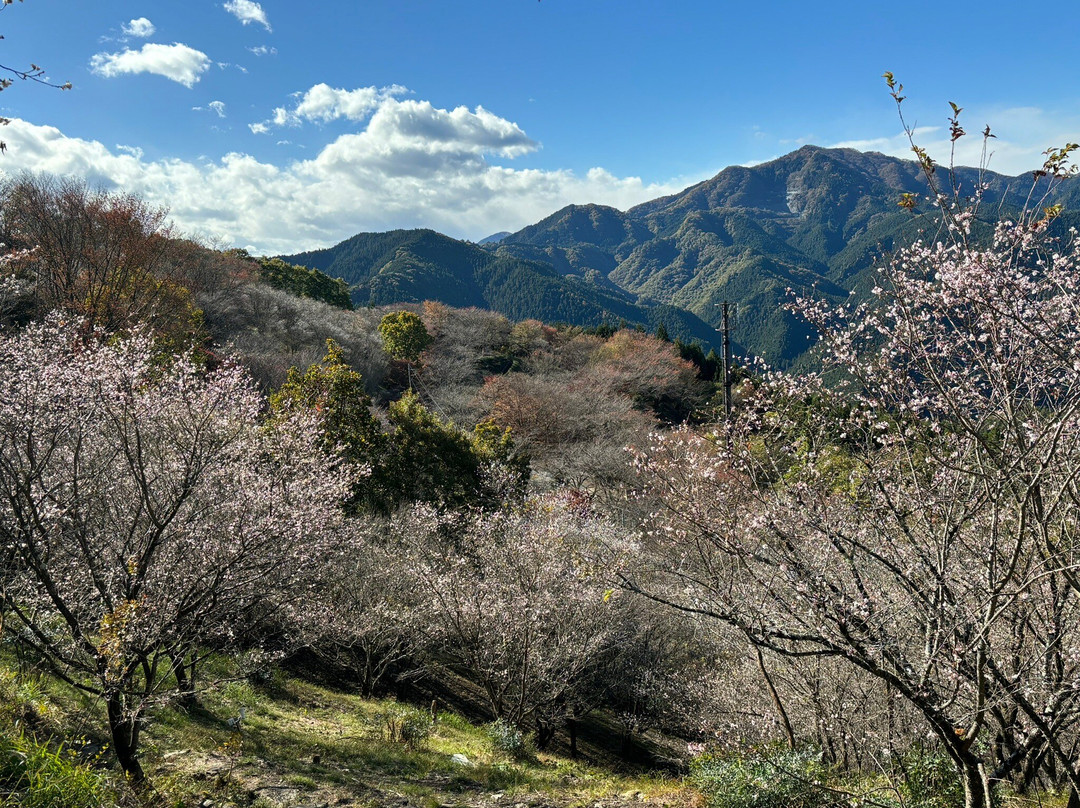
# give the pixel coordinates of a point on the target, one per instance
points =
(408, 266)
(813, 220)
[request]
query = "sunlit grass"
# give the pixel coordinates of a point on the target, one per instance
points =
(321, 741)
(317, 737)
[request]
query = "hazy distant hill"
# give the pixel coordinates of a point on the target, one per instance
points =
(813, 220)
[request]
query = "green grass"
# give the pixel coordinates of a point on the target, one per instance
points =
(318, 739)
(315, 743)
(306, 743)
(38, 774)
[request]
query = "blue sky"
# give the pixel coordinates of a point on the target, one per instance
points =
(281, 126)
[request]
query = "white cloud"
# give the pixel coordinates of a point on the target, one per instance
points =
(134, 151)
(401, 127)
(218, 107)
(1022, 134)
(420, 126)
(263, 50)
(258, 128)
(323, 103)
(177, 62)
(247, 11)
(139, 27)
(413, 165)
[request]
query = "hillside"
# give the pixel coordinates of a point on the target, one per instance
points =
(816, 219)
(563, 533)
(410, 266)
(813, 221)
(304, 742)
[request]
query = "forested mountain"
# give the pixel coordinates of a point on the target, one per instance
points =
(404, 266)
(813, 220)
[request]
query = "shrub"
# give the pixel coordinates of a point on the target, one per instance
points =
(929, 779)
(762, 779)
(510, 740)
(403, 724)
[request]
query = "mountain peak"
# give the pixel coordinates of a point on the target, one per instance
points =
(575, 225)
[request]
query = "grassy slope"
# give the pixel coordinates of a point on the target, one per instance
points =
(303, 744)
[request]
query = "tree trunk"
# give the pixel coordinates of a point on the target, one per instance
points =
(571, 730)
(545, 731)
(367, 683)
(125, 737)
(789, 733)
(977, 792)
(185, 682)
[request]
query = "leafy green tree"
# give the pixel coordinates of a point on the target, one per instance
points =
(713, 364)
(505, 468)
(404, 335)
(336, 391)
(305, 282)
(298, 280)
(432, 460)
(423, 459)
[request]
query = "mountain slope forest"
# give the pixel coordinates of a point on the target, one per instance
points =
(292, 531)
(816, 219)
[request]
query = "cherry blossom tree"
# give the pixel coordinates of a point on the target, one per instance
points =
(364, 613)
(147, 513)
(515, 601)
(32, 72)
(919, 522)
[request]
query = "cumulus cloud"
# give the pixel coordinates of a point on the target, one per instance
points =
(217, 107)
(134, 151)
(418, 126)
(323, 103)
(177, 62)
(139, 28)
(263, 50)
(403, 127)
(413, 165)
(247, 11)
(1022, 135)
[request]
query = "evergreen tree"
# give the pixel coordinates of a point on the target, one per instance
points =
(336, 391)
(404, 336)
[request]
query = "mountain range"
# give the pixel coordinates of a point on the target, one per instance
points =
(815, 220)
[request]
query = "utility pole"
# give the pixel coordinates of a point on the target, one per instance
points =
(726, 324)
